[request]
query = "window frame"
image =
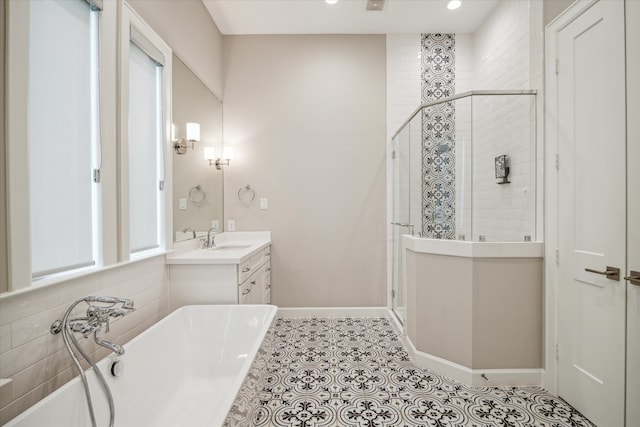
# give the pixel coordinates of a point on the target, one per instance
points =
(134, 28)
(19, 275)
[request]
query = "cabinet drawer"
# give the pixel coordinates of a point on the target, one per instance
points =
(252, 264)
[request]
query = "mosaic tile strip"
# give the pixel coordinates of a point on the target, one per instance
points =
(438, 137)
(342, 372)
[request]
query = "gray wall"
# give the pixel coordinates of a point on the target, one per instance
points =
(306, 118)
(482, 313)
(188, 28)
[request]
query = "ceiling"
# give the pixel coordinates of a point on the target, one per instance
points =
(346, 16)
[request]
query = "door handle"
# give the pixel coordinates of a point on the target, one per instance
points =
(633, 277)
(410, 226)
(612, 273)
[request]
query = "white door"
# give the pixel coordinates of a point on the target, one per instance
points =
(592, 212)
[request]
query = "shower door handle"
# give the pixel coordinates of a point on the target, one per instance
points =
(410, 226)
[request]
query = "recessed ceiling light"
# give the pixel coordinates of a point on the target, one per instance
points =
(454, 4)
(331, 1)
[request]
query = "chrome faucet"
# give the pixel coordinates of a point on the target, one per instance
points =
(97, 317)
(190, 229)
(100, 310)
(211, 238)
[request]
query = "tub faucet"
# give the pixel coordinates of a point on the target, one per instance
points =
(97, 318)
(116, 348)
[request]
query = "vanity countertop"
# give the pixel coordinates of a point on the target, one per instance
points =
(230, 248)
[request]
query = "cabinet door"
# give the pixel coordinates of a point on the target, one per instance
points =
(267, 283)
(257, 286)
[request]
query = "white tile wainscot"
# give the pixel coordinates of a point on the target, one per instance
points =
(236, 271)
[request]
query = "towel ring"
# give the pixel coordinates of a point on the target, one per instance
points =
(246, 190)
(197, 195)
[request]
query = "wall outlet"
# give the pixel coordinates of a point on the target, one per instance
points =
(215, 224)
(263, 203)
(231, 225)
(183, 204)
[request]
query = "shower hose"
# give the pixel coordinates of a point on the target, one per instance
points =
(69, 341)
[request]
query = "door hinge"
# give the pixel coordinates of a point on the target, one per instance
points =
(557, 352)
(393, 154)
(96, 175)
(557, 256)
(557, 67)
(393, 293)
(557, 161)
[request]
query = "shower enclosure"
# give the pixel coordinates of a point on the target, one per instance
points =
(464, 168)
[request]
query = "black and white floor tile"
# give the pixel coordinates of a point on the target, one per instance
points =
(356, 372)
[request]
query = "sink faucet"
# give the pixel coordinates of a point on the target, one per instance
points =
(190, 229)
(211, 238)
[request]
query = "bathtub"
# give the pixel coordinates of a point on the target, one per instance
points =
(184, 371)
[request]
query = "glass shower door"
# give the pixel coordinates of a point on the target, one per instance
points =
(400, 220)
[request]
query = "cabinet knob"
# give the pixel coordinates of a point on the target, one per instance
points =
(246, 292)
(244, 270)
(267, 269)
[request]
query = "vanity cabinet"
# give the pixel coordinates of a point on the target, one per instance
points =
(254, 275)
(248, 282)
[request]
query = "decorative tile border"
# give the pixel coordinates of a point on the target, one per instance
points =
(438, 137)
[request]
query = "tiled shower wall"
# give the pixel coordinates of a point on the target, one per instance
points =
(495, 57)
(502, 125)
(403, 96)
(438, 74)
(36, 360)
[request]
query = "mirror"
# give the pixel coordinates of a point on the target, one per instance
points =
(197, 186)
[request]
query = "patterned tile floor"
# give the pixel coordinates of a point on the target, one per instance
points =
(356, 372)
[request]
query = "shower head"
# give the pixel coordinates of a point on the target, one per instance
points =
(442, 148)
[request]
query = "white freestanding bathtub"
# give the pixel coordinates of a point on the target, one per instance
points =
(184, 371)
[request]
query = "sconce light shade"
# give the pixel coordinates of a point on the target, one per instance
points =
(209, 154)
(193, 131)
(227, 154)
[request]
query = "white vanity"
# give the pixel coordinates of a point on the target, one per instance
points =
(237, 270)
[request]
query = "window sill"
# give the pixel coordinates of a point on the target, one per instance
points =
(57, 278)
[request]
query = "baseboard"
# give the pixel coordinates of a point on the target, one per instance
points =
(333, 312)
(474, 377)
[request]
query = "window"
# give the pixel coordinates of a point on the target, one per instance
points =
(63, 134)
(145, 118)
(146, 160)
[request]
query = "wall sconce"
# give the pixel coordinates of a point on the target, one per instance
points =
(193, 135)
(210, 154)
(502, 170)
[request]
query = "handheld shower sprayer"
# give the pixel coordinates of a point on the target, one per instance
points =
(99, 312)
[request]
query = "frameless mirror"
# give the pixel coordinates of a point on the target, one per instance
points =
(197, 185)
